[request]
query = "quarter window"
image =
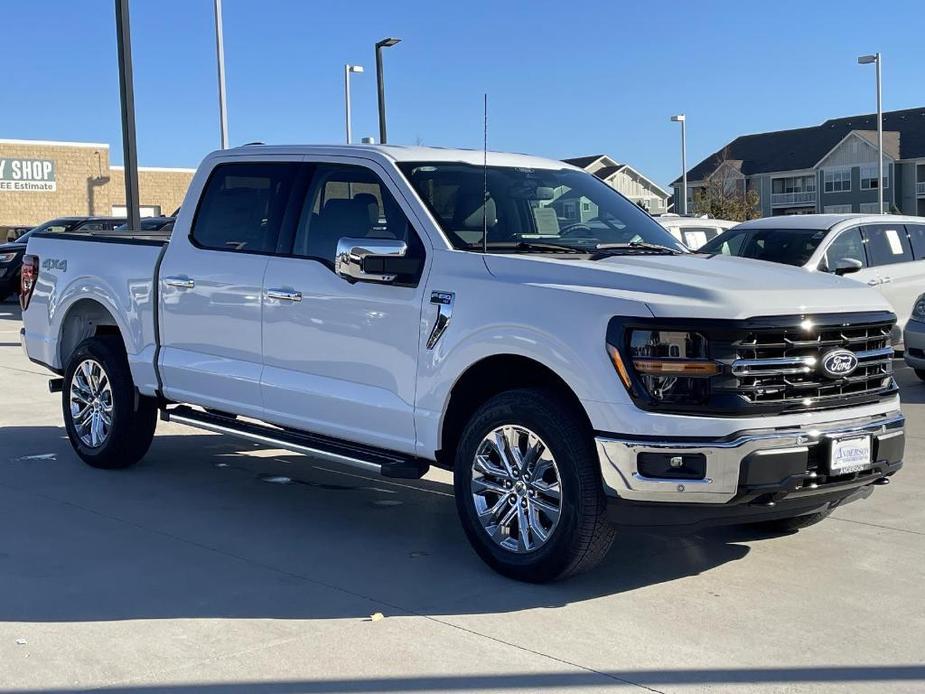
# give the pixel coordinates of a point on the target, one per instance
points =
(887, 244)
(916, 234)
(242, 206)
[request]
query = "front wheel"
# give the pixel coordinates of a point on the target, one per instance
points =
(528, 488)
(108, 423)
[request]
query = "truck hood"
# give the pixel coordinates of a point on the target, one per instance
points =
(694, 286)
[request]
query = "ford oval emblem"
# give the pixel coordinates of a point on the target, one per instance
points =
(839, 363)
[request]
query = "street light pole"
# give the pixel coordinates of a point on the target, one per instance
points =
(380, 82)
(127, 93)
(220, 58)
(867, 60)
(682, 119)
(347, 70)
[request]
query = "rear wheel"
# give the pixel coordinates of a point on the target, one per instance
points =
(528, 488)
(108, 423)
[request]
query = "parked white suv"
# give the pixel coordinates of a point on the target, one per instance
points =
(393, 308)
(886, 252)
(694, 232)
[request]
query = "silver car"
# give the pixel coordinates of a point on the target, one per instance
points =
(886, 252)
(915, 338)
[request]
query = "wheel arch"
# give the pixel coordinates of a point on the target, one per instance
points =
(488, 377)
(82, 319)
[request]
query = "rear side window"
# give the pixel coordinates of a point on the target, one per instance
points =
(887, 244)
(242, 206)
(847, 246)
(916, 234)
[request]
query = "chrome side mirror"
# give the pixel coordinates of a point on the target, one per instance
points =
(368, 260)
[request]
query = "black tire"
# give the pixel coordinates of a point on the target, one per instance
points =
(133, 416)
(920, 373)
(582, 535)
(785, 526)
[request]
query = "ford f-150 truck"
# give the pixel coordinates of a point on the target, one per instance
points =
(509, 318)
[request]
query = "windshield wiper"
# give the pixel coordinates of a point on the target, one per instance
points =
(605, 250)
(526, 246)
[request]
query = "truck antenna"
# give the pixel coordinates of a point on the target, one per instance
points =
(485, 173)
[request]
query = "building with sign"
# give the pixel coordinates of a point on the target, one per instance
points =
(40, 180)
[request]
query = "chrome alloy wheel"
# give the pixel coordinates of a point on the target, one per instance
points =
(516, 488)
(91, 403)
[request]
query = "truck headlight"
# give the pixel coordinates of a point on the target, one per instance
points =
(668, 366)
(7, 257)
(918, 311)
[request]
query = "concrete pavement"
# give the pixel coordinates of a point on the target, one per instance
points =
(201, 570)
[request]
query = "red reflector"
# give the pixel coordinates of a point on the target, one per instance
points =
(28, 276)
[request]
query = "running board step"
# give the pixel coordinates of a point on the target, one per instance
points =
(385, 463)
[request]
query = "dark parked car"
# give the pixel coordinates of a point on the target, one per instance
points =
(13, 233)
(11, 253)
(152, 224)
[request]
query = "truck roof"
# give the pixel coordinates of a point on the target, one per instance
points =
(400, 153)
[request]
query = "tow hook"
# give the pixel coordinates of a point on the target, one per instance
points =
(882, 481)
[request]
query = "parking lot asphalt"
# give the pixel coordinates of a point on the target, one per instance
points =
(218, 566)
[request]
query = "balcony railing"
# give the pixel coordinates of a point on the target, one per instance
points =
(920, 188)
(805, 197)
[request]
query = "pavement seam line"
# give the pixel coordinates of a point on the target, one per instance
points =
(324, 584)
(877, 525)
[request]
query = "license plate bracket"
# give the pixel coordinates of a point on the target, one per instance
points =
(850, 454)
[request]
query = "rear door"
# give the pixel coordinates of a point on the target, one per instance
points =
(899, 275)
(211, 283)
(340, 358)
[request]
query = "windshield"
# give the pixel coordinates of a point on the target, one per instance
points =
(788, 246)
(529, 209)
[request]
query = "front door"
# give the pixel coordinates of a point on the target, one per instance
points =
(340, 358)
(211, 281)
(899, 274)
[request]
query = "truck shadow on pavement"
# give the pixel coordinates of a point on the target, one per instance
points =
(207, 527)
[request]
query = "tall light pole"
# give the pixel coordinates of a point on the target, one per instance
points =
(867, 60)
(347, 70)
(384, 43)
(682, 119)
(220, 58)
(127, 94)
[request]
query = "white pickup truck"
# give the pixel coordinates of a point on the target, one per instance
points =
(514, 320)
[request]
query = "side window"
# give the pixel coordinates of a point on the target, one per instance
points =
(916, 234)
(887, 244)
(847, 244)
(242, 206)
(349, 201)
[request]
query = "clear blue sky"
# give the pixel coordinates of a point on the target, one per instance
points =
(563, 78)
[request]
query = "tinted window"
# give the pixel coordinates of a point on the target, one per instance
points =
(887, 244)
(788, 246)
(242, 206)
(348, 201)
(847, 245)
(917, 237)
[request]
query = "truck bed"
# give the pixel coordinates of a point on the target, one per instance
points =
(145, 238)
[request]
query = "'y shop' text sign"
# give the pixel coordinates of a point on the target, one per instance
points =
(27, 174)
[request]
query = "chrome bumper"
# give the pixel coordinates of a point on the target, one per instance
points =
(723, 458)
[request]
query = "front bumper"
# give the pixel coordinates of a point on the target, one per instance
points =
(755, 466)
(914, 339)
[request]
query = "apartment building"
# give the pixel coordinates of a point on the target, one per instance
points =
(625, 179)
(828, 168)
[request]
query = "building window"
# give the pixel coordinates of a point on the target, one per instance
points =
(837, 180)
(837, 209)
(794, 184)
(869, 176)
(870, 207)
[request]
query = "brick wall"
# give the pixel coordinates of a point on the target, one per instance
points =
(86, 184)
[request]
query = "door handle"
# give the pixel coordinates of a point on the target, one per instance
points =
(284, 295)
(180, 282)
(873, 283)
(886, 280)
